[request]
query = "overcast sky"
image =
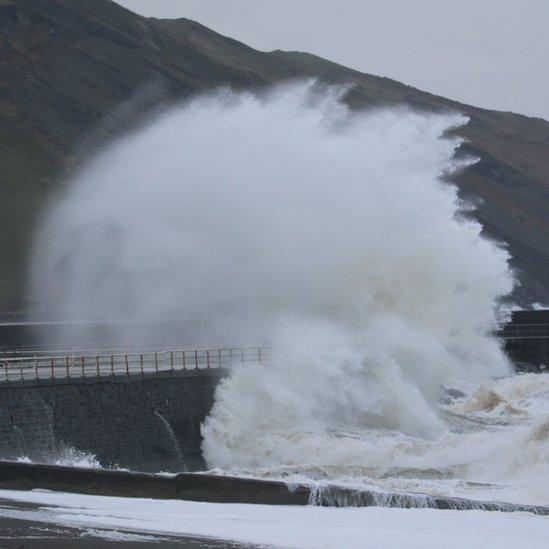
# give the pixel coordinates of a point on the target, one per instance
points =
(490, 53)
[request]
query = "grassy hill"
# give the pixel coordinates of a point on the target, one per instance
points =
(75, 71)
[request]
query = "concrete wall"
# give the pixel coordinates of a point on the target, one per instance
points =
(149, 424)
(529, 354)
(527, 340)
(226, 489)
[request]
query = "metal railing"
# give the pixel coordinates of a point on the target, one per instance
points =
(78, 368)
(79, 350)
(524, 331)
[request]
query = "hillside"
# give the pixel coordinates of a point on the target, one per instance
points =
(75, 71)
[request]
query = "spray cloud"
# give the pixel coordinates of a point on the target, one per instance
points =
(288, 220)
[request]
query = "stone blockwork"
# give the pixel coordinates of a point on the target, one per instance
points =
(150, 424)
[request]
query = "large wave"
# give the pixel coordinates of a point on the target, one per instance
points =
(284, 218)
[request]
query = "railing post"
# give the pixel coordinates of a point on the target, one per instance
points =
(171, 362)
(184, 361)
(207, 358)
(82, 365)
(127, 365)
(97, 365)
(196, 359)
(141, 361)
(112, 365)
(36, 369)
(7, 375)
(52, 369)
(67, 366)
(156, 362)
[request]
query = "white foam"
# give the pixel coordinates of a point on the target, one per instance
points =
(290, 526)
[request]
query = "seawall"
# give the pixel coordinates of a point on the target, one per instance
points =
(227, 489)
(527, 340)
(148, 423)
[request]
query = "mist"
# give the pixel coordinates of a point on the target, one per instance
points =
(284, 219)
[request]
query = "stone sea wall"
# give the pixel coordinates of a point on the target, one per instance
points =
(139, 423)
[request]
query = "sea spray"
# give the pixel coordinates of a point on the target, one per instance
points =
(485, 453)
(65, 456)
(173, 440)
(285, 219)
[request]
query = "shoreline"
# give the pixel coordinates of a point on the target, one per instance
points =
(201, 487)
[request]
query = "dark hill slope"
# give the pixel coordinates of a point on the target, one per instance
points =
(69, 68)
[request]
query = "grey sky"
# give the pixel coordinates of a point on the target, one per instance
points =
(490, 53)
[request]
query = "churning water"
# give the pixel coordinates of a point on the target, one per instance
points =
(331, 236)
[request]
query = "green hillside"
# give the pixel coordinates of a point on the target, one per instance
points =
(84, 71)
